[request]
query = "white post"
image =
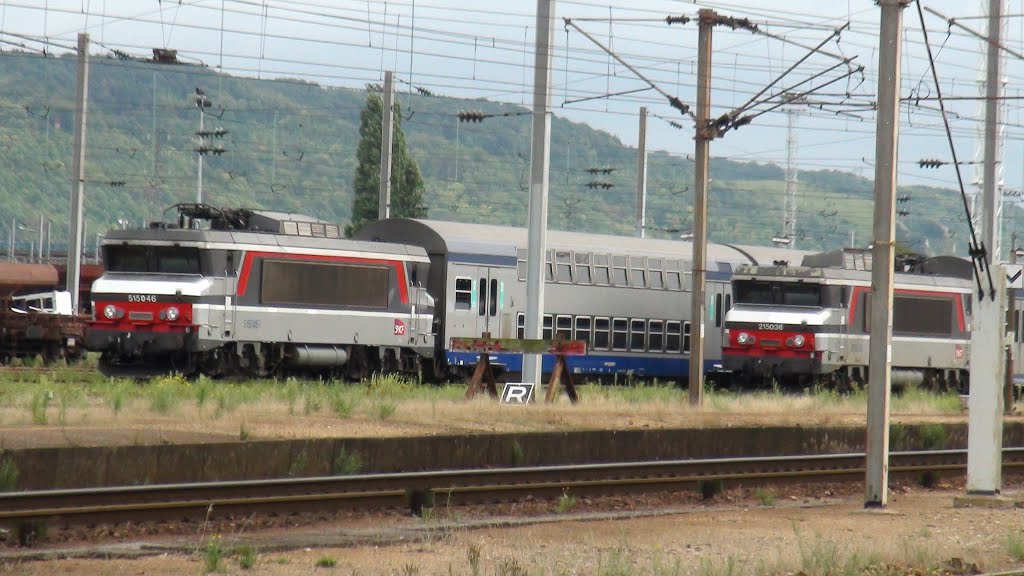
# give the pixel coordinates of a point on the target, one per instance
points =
(387, 133)
(985, 416)
(641, 175)
(540, 162)
(884, 235)
(74, 270)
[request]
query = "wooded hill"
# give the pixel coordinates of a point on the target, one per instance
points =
(290, 145)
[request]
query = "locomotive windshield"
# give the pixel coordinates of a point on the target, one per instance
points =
(160, 259)
(777, 293)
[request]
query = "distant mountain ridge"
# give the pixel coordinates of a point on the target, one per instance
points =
(290, 145)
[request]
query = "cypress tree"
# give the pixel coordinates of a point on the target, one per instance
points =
(406, 182)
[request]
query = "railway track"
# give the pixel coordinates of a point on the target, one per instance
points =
(417, 490)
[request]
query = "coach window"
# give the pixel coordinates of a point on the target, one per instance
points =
(637, 335)
(583, 268)
(601, 331)
(673, 277)
(655, 335)
(521, 325)
(655, 277)
(673, 336)
(602, 274)
(563, 266)
(620, 333)
(547, 327)
(521, 264)
(481, 289)
(563, 327)
(637, 272)
(463, 293)
(686, 337)
(583, 329)
(549, 268)
(619, 270)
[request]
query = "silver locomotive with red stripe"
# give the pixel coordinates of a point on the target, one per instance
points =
(810, 324)
(224, 292)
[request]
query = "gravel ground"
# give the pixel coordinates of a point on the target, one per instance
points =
(808, 530)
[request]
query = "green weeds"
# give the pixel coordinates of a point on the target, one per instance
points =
(326, 562)
(246, 556)
(565, 503)
(8, 475)
(346, 463)
(213, 555)
(1015, 546)
(766, 497)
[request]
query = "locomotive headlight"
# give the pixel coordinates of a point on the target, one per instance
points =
(171, 313)
(745, 339)
(109, 311)
(798, 341)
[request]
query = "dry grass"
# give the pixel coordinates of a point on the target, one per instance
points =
(386, 406)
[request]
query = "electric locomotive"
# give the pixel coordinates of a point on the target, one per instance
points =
(810, 324)
(260, 293)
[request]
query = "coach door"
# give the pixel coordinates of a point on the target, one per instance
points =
(719, 302)
(489, 295)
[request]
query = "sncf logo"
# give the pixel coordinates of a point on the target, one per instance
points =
(399, 328)
(517, 393)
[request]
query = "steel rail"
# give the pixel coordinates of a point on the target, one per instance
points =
(86, 505)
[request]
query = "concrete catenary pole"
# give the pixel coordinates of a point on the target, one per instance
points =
(641, 175)
(701, 160)
(540, 163)
(74, 271)
(387, 131)
(988, 338)
(883, 252)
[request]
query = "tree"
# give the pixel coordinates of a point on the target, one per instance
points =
(406, 182)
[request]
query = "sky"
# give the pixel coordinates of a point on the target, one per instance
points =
(464, 49)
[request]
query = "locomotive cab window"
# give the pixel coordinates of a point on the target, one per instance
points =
(777, 293)
(159, 259)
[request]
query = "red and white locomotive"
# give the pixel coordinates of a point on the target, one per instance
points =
(810, 324)
(258, 293)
